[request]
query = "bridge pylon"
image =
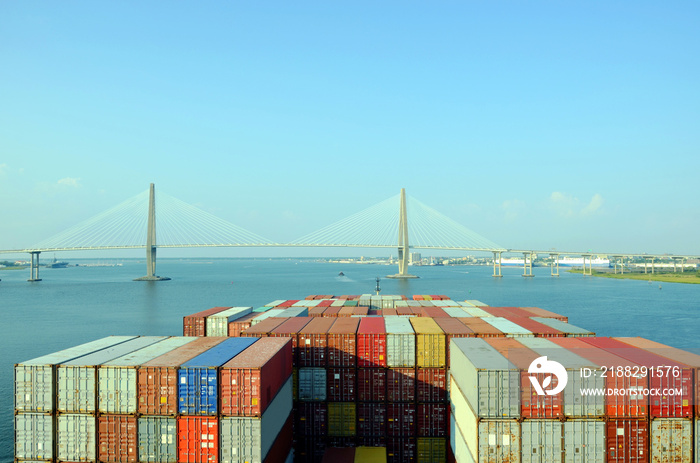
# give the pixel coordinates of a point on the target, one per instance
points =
(403, 241)
(151, 241)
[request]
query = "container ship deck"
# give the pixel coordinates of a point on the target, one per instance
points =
(362, 378)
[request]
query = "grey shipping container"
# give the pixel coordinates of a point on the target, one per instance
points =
(249, 439)
(77, 379)
(294, 312)
(569, 329)
(312, 384)
(76, 437)
(671, 440)
(486, 439)
(117, 388)
(34, 436)
(217, 324)
(275, 303)
(584, 441)
(157, 439)
(476, 312)
(511, 329)
(400, 342)
(35, 380)
(541, 441)
(456, 312)
(488, 381)
(576, 405)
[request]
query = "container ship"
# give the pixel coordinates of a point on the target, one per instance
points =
(362, 378)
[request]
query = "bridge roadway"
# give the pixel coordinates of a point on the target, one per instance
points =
(528, 255)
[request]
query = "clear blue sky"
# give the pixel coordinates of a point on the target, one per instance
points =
(539, 124)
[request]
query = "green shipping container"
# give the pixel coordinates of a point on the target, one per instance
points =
(431, 450)
(341, 419)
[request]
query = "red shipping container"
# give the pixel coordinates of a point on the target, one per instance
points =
(326, 302)
(453, 328)
(481, 328)
(404, 311)
(401, 419)
(118, 438)
(338, 455)
(196, 323)
(506, 311)
(532, 405)
(401, 384)
(371, 419)
(346, 311)
(432, 420)
(401, 449)
(616, 406)
(371, 384)
(537, 312)
(389, 312)
(237, 326)
(417, 297)
(287, 303)
(282, 446)
(627, 441)
(311, 419)
(371, 343)
(197, 439)
(342, 345)
(416, 311)
(251, 380)
(313, 343)
(290, 329)
(332, 311)
(663, 374)
(431, 384)
(433, 312)
(341, 384)
(157, 378)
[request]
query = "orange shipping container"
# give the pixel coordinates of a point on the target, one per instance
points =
(197, 439)
(236, 327)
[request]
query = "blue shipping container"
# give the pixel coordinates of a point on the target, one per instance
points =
(198, 378)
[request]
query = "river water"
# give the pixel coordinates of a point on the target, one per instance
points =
(75, 305)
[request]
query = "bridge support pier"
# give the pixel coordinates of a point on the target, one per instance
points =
(151, 242)
(403, 241)
(34, 268)
(555, 258)
(497, 264)
(527, 264)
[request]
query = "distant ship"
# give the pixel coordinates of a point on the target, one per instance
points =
(566, 261)
(514, 261)
(57, 264)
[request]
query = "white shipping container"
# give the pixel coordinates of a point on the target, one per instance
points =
(266, 315)
(157, 439)
(476, 303)
(567, 328)
(584, 441)
(541, 441)
(489, 382)
(275, 303)
(76, 437)
(117, 388)
(35, 380)
(249, 439)
(294, 312)
(77, 379)
(34, 436)
(512, 330)
(671, 440)
(338, 303)
(217, 324)
(476, 312)
(458, 443)
(456, 312)
(400, 342)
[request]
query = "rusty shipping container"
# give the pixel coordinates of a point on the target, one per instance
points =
(313, 343)
(236, 327)
(263, 327)
(251, 380)
(196, 323)
(671, 440)
(157, 378)
(342, 343)
(117, 438)
(290, 329)
(627, 441)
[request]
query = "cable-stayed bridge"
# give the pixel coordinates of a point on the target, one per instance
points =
(133, 225)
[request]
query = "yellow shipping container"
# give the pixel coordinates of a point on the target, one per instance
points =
(430, 343)
(431, 450)
(341, 419)
(370, 455)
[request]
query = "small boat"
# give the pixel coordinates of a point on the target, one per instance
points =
(341, 274)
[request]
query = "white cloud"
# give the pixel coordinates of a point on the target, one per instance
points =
(513, 208)
(69, 182)
(569, 206)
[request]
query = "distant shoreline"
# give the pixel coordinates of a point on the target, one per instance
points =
(686, 277)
